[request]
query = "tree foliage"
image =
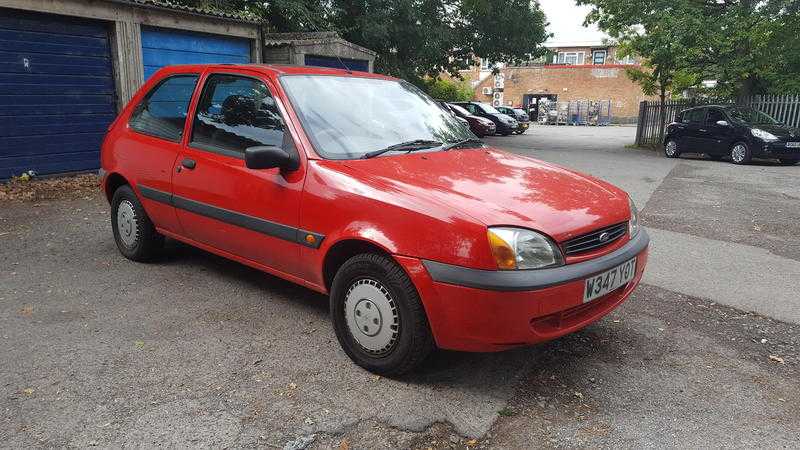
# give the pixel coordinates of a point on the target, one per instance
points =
(449, 90)
(414, 39)
(746, 46)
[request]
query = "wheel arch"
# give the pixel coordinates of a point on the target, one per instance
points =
(113, 182)
(343, 250)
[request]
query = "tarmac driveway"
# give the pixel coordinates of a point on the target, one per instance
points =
(193, 350)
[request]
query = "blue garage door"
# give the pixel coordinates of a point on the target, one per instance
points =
(56, 93)
(361, 65)
(162, 47)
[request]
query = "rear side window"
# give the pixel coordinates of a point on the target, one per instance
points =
(235, 113)
(163, 111)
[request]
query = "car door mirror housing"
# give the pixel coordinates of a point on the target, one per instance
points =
(268, 157)
(722, 123)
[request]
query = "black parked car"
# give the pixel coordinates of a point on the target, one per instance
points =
(522, 117)
(505, 124)
(740, 133)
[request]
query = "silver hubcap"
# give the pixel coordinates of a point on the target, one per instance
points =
(127, 225)
(672, 147)
(371, 315)
(738, 153)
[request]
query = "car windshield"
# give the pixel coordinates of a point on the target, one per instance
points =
(459, 110)
(489, 109)
(349, 117)
(751, 116)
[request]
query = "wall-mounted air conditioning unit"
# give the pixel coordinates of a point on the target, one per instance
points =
(487, 91)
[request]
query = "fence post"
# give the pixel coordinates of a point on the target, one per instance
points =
(641, 123)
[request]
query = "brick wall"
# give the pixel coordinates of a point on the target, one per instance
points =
(588, 82)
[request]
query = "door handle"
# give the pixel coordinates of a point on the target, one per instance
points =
(703, 130)
(189, 163)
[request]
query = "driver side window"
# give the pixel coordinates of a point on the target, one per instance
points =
(235, 113)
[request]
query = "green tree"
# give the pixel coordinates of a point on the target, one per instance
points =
(665, 33)
(746, 46)
(414, 39)
(449, 90)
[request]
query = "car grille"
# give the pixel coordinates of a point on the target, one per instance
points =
(596, 239)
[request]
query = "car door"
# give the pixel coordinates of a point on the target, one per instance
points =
(156, 128)
(694, 130)
(717, 138)
(252, 214)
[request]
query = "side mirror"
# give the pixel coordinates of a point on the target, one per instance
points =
(269, 156)
(722, 123)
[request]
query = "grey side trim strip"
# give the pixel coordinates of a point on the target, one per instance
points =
(156, 195)
(529, 280)
(274, 229)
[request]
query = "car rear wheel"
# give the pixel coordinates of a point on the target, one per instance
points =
(788, 162)
(671, 149)
(740, 153)
(134, 233)
(378, 316)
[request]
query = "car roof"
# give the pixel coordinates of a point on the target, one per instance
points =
(274, 69)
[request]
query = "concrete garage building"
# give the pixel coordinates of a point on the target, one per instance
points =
(68, 66)
(324, 49)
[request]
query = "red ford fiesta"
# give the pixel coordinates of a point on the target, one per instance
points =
(361, 187)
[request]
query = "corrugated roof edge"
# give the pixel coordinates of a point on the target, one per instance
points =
(309, 38)
(170, 6)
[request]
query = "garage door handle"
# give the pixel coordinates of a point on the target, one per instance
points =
(189, 163)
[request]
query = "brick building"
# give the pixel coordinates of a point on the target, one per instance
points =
(572, 71)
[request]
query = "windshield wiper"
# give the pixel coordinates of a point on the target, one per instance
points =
(462, 143)
(410, 146)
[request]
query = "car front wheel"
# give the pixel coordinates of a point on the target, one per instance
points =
(740, 153)
(134, 233)
(378, 316)
(671, 149)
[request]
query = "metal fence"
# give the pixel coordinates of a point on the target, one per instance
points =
(784, 108)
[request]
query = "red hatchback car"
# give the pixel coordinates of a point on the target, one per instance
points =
(361, 187)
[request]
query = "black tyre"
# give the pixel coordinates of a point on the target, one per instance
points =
(740, 153)
(788, 162)
(134, 233)
(672, 149)
(378, 316)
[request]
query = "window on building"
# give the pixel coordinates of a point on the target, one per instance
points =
(627, 60)
(486, 64)
(599, 56)
(163, 111)
(570, 58)
(235, 113)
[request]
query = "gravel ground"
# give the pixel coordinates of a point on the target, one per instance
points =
(193, 350)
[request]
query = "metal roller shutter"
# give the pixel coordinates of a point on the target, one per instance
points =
(56, 92)
(161, 47)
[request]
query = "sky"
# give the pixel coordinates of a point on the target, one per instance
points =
(566, 22)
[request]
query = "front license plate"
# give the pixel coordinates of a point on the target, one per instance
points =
(601, 284)
(793, 144)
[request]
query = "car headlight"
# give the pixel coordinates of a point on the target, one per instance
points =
(633, 225)
(765, 135)
(518, 248)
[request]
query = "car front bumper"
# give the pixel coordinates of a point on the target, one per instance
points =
(778, 150)
(481, 310)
